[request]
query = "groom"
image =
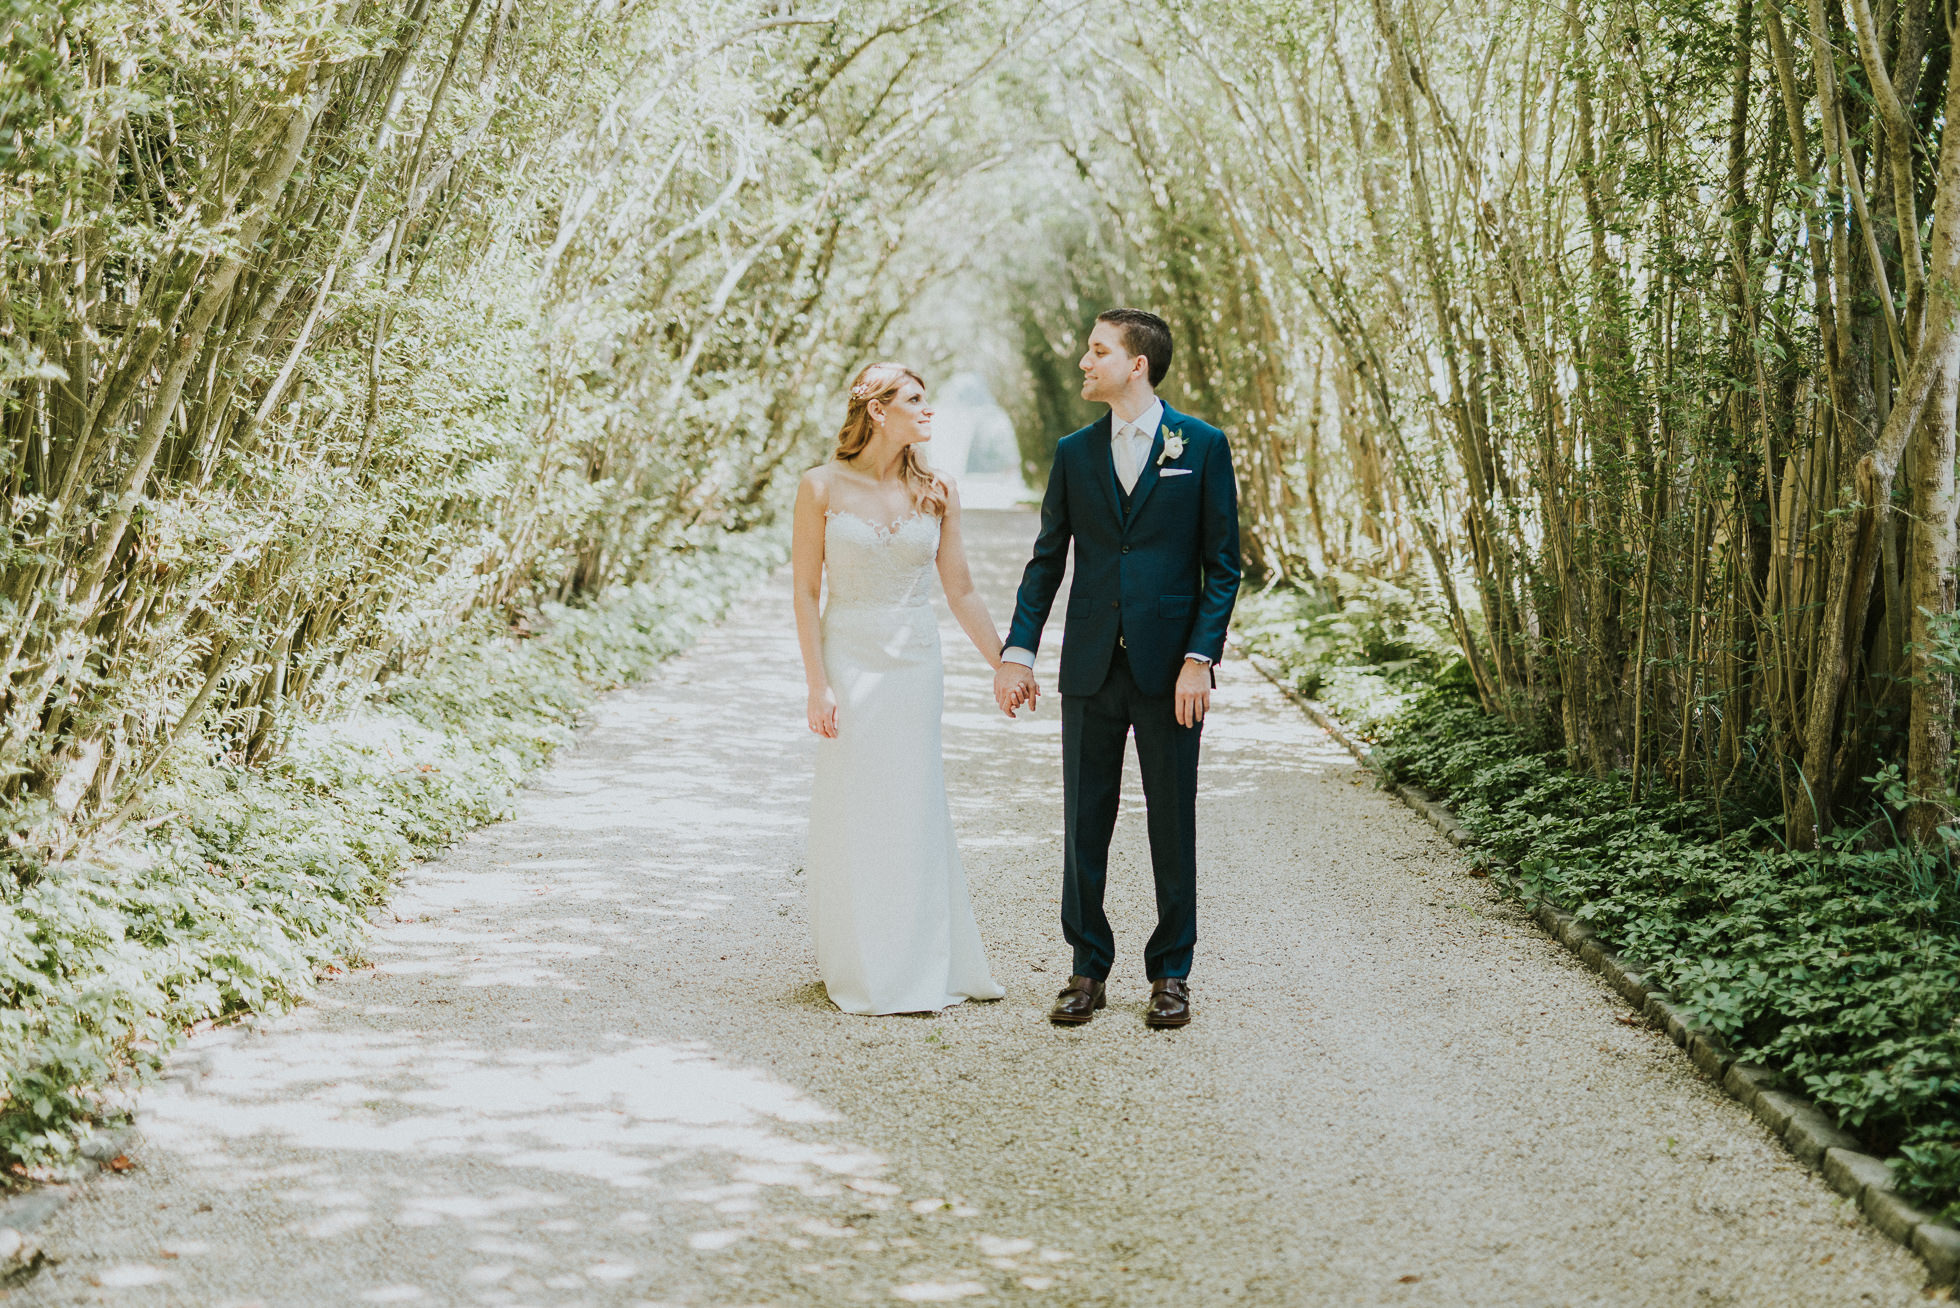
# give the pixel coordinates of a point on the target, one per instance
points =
(1148, 498)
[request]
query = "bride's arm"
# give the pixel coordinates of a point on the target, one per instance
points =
(957, 579)
(806, 574)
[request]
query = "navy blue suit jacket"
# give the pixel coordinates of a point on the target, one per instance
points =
(1166, 578)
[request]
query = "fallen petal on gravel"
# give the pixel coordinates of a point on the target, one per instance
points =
(938, 1291)
(714, 1239)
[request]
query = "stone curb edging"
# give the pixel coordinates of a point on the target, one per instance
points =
(1802, 1127)
(20, 1256)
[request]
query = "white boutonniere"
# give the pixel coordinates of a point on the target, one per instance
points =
(1173, 446)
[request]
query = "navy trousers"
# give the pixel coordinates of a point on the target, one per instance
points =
(1095, 732)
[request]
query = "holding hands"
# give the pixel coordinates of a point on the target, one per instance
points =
(1014, 685)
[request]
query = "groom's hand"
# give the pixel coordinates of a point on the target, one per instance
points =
(1193, 693)
(1014, 685)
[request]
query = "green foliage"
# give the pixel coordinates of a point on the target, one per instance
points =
(1837, 967)
(250, 882)
(1589, 389)
(337, 343)
(1364, 646)
(328, 332)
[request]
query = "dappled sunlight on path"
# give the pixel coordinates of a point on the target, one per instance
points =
(527, 1097)
(613, 1117)
(591, 1063)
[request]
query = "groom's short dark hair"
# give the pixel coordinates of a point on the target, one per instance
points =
(1143, 333)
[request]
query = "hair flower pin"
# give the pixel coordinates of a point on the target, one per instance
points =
(861, 391)
(1173, 446)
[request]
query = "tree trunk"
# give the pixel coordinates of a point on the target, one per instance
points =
(1929, 572)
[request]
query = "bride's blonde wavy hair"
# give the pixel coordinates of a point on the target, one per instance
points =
(881, 382)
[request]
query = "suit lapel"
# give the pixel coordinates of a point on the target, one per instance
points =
(1147, 480)
(1099, 443)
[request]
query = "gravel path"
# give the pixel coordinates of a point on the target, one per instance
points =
(592, 1065)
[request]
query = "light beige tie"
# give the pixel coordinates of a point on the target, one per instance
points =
(1132, 467)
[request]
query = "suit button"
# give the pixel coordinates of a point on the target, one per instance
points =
(1116, 604)
(1126, 549)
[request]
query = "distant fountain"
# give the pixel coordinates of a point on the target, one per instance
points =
(973, 443)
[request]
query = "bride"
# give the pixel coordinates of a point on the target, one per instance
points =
(888, 901)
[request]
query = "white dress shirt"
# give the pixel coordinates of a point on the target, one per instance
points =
(1129, 451)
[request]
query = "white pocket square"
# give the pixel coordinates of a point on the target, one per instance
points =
(1177, 472)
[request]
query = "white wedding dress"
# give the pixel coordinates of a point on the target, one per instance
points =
(888, 901)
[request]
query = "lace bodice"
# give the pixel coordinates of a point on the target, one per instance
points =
(872, 566)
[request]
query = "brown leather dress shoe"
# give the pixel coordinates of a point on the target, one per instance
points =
(1078, 1002)
(1170, 1003)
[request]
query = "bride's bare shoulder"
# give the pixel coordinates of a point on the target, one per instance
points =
(817, 484)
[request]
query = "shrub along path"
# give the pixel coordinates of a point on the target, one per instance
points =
(591, 1064)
